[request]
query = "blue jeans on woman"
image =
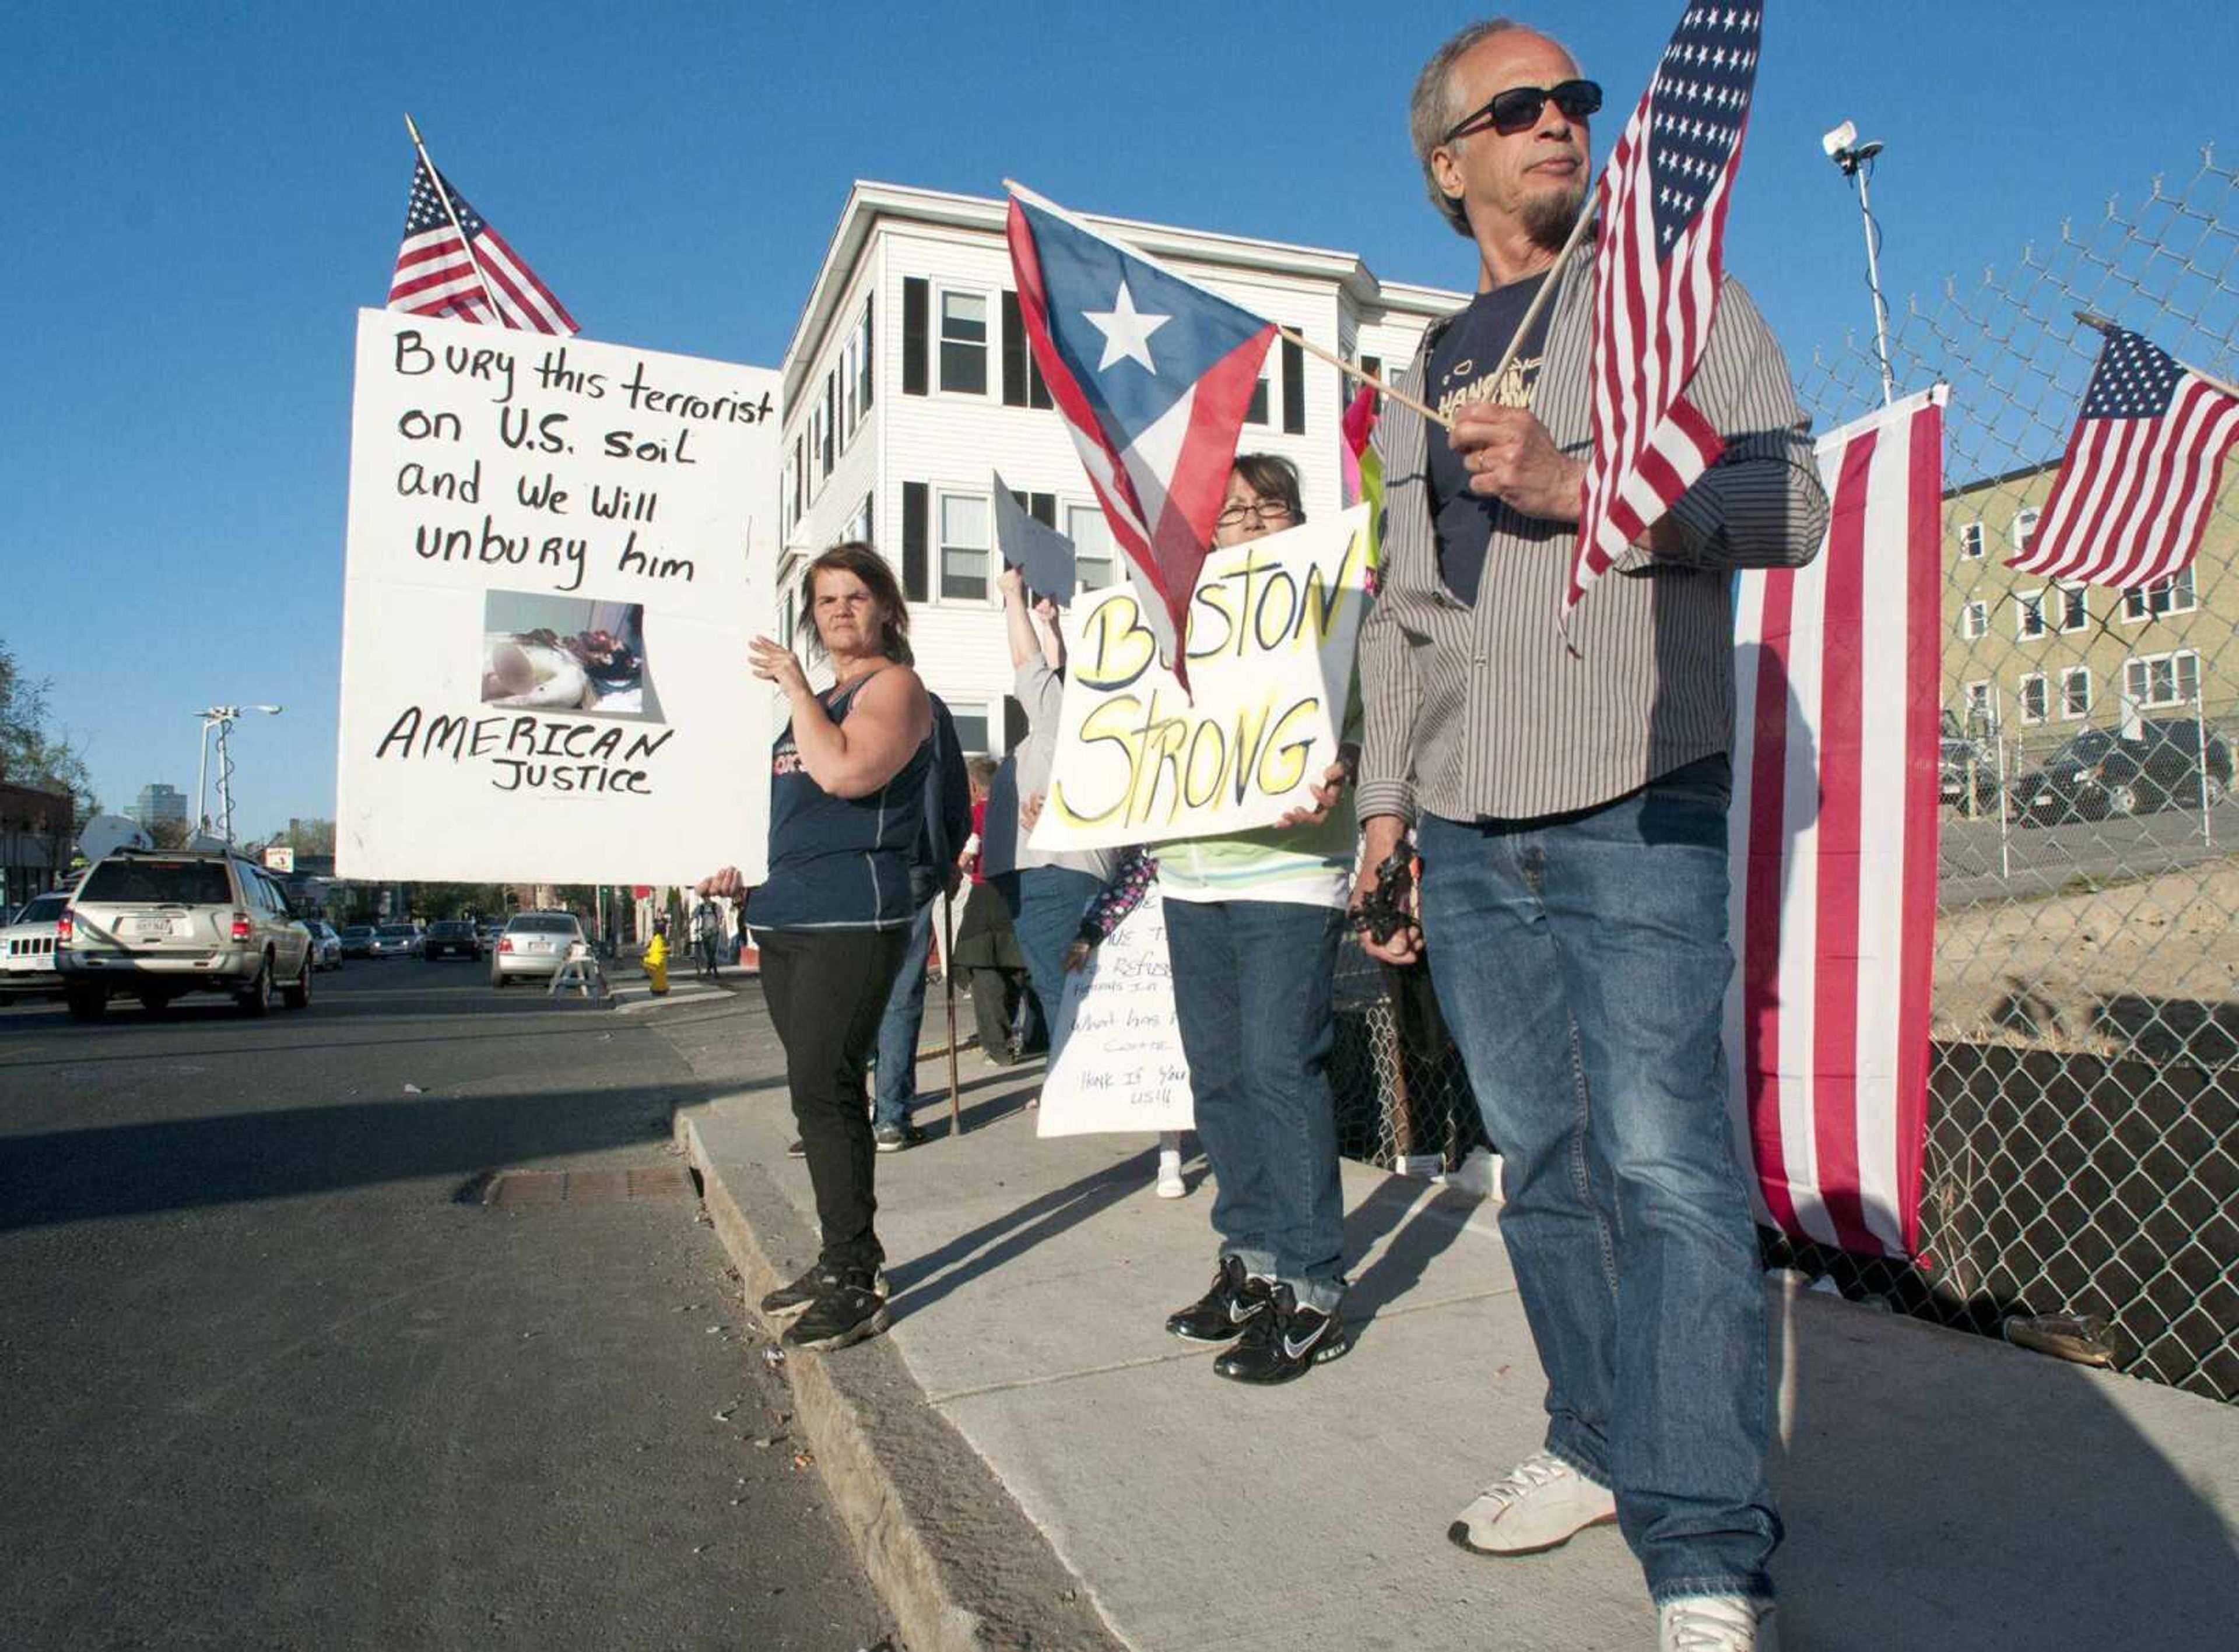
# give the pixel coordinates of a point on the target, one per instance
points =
(1046, 903)
(1581, 961)
(1253, 980)
(895, 1085)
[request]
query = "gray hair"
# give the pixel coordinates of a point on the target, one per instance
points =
(1430, 113)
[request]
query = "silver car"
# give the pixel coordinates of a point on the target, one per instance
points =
(326, 944)
(396, 940)
(156, 925)
(535, 945)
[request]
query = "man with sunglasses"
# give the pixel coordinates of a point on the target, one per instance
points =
(1569, 807)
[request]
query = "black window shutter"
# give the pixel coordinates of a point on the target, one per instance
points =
(1038, 393)
(1015, 352)
(917, 307)
(1295, 390)
(1043, 508)
(1375, 366)
(870, 352)
(917, 506)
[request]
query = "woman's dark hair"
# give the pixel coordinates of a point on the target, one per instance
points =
(855, 557)
(1272, 476)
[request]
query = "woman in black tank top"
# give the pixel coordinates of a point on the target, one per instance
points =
(847, 795)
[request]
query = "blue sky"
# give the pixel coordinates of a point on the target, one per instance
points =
(202, 195)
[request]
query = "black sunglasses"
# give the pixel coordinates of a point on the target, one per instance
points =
(1517, 109)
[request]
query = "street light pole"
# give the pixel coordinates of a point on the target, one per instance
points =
(1855, 159)
(221, 718)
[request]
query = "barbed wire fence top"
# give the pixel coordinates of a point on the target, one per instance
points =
(2083, 1157)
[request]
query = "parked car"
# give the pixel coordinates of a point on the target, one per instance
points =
(326, 946)
(2102, 773)
(487, 932)
(27, 946)
(158, 923)
(1967, 764)
(396, 940)
(357, 940)
(450, 938)
(533, 944)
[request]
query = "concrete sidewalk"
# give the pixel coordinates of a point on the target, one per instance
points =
(1028, 1418)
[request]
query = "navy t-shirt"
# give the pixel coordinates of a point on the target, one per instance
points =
(1460, 371)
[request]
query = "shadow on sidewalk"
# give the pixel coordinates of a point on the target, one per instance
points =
(923, 1280)
(1418, 1240)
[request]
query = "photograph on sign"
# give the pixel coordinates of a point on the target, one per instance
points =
(570, 652)
(546, 604)
(1121, 1068)
(1272, 628)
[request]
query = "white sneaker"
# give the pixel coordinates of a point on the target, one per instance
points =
(1715, 1623)
(1171, 1185)
(1540, 1504)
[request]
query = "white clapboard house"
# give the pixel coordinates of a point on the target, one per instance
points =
(909, 380)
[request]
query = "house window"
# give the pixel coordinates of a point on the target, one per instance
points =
(858, 525)
(2075, 693)
(964, 343)
(964, 542)
(2029, 613)
(971, 728)
(1970, 541)
(1974, 619)
(1979, 716)
(2074, 610)
(785, 617)
(2033, 698)
(2175, 594)
(2024, 527)
(864, 374)
(1095, 555)
(2163, 678)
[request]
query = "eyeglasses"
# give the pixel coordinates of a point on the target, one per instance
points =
(1517, 109)
(1260, 510)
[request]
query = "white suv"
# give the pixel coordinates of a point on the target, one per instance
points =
(156, 925)
(27, 945)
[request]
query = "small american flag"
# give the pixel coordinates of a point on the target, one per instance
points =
(439, 274)
(1663, 205)
(2141, 471)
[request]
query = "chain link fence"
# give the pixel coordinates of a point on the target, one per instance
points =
(2082, 1163)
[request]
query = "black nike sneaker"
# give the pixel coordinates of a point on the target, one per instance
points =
(1235, 1302)
(1284, 1342)
(788, 1300)
(844, 1312)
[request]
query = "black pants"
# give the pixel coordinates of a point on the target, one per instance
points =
(988, 951)
(825, 992)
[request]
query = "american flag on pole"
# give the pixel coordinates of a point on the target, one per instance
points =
(1832, 839)
(1663, 205)
(2141, 471)
(1153, 375)
(439, 274)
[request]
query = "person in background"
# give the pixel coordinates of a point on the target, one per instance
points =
(707, 926)
(1253, 925)
(1131, 881)
(1049, 890)
(848, 779)
(987, 948)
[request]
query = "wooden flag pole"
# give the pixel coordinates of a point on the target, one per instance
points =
(1353, 370)
(2099, 325)
(443, 195)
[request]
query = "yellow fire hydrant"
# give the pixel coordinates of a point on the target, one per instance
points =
(656, 963)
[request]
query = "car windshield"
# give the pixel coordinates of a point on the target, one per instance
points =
(359, 931)
(2086, 748)
(45, 910)
(542, 925)
(448, 927)
(397, 931)
(185, 883)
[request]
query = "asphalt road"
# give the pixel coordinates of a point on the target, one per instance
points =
(2039, 860)
(272, 1376)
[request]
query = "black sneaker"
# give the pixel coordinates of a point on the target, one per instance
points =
(893, 1138)
(845, 1311)
(1285, 1344)
(1234, 1301)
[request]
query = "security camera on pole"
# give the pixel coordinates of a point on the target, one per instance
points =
(1856, 160)
(221, 718)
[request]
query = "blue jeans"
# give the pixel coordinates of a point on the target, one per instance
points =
(1251, 997)
(896, 1084)
(1045, 904)
(1581, 960)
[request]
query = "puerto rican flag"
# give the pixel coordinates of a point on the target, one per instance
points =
(1153, 375)
(1838, 685)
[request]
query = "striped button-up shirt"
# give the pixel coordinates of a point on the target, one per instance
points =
(1483, 712)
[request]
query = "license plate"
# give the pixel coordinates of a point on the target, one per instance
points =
(149, 926)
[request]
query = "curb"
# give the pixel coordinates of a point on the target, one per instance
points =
(958, 1563)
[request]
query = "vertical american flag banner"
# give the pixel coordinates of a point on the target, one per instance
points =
(1659, 260)
(2141, 471)
(1838, 688)
(440, 274)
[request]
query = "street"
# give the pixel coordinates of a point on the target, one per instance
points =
(2043, 859)
(283, 1367)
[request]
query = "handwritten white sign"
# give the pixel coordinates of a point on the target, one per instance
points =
(547, 608)
(1271, 631)
(1122, 1068)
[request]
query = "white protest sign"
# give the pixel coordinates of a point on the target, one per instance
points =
(1271, 629)
(1122, 1068)
(546, 609)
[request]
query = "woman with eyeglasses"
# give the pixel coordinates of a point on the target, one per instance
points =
(1253, 925)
